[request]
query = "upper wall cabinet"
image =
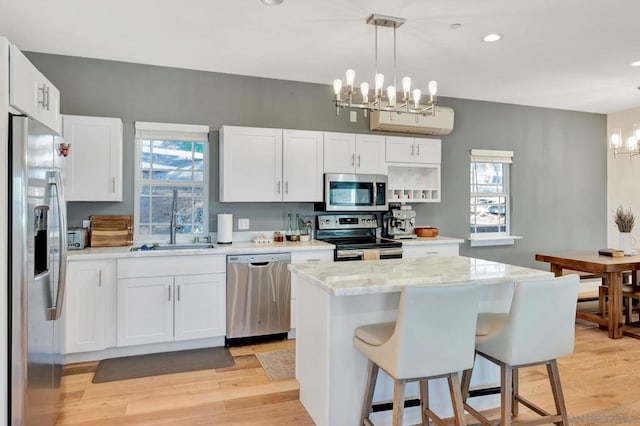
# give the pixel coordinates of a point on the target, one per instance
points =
(31, 92)
(413, 170)
(351, 153)
(93, 168)
(262, 165)
(413, 150)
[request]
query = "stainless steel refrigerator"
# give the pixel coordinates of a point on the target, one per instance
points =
(37, 265)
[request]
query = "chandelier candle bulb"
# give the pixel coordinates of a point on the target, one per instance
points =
(433, 87)
(391, 95)
(416, 97)
(364, 89)
(379, 84)
(351, 76)
(337, 87)
(406, 86)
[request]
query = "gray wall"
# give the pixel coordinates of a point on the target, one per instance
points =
(558, 176)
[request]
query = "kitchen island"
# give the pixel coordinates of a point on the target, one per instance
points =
(335, 298)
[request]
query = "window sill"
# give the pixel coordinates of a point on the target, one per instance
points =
(493, 240)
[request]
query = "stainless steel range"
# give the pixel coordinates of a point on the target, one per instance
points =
(353, 235)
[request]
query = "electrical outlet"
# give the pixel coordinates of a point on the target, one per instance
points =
(86, 224)
(353, 116)
(243, 223)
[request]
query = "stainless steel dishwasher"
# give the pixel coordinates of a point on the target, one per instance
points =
(258, 295)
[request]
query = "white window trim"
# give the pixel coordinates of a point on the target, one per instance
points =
(494, 238)
(171, 131)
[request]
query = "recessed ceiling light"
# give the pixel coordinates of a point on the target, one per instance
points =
(455, 26)
(271, 2)
(635, 64)
(490, 38)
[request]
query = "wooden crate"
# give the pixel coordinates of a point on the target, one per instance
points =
(111, 231)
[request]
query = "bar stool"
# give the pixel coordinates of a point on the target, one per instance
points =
(433, 337)
(540, 327)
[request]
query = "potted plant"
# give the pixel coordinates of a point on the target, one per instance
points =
(625, 220)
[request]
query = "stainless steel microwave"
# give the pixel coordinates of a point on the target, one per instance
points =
(352, 192)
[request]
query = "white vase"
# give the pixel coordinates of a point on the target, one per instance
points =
(626, 242)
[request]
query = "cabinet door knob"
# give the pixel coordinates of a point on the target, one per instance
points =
(353, 159)
(412, 150)
(278, 188)
(169, 292)
(417, 150)
(178, 293)
(358, 160)
(286, 187)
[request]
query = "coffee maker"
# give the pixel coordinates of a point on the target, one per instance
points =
(399, 222)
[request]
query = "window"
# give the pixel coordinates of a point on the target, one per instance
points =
(490, 197)
(171, 159)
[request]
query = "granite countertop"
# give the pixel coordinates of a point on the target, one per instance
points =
(244, 247)
(383, 276)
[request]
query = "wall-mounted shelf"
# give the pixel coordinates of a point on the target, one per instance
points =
(414, 184)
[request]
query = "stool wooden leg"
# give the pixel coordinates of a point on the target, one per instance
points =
(398, 402)
(556, 388)
(456, 399)
(465, 384)
(514, 393)
(424, 401)
(372, 376)
(506, 373)
(466, 379)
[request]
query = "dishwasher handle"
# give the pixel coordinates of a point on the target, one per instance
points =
(259, 264)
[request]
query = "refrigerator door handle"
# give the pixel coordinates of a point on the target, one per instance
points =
(56, 180)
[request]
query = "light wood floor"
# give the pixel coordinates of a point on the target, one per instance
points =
(601, 383)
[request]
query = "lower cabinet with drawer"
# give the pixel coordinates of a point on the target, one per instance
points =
(163, 299)
(298, 257)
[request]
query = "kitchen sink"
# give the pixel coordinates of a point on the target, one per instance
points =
(158, 247)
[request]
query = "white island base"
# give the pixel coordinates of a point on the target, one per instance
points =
(332, 373)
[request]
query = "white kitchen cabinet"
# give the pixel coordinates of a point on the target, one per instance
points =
(90, 306)
(31, 92)
(162, 299)
(145, 310)
(261, 165)
(352, 153)
(199, 306)
(302, 165)
(298, 257)
(413, 150)
(414, 170)
(427, 249)
(93, 168)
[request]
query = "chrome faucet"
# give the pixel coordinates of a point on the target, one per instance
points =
(173, 224)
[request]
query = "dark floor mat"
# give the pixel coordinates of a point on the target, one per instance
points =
(132, 367)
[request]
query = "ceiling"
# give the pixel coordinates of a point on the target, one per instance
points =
(567, 54)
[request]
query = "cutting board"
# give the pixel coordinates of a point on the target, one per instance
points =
(111, 231)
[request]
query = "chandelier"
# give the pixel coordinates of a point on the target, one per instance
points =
(384, 101)
(631, 145)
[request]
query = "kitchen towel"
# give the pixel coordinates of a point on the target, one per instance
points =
(370, 254)
(225, 228)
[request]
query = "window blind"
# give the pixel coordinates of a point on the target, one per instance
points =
(491, 156)
(171, 132)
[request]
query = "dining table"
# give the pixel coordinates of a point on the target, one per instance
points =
(611, 270)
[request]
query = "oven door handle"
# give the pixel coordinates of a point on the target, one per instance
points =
(348, 254)
(390, 251)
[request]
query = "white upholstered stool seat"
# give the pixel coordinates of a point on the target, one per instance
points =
(540, 328)
(433, 337)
